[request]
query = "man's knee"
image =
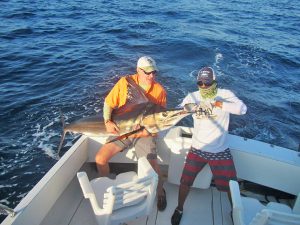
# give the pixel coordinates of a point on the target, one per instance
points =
(184, 187)
(106, 152)
(186, 181)
(101, 159)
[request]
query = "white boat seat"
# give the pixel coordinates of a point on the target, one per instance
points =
(128, 197)
(249, 211)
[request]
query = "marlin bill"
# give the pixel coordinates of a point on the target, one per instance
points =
(152, 117)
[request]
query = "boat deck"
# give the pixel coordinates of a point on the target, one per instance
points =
(209, 206)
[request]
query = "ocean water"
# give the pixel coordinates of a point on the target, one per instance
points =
(66, 55)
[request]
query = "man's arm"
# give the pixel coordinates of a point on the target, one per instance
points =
(111, 127)
(112, 101)
(231, 104)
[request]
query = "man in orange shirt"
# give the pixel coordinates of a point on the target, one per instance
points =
(144, 143)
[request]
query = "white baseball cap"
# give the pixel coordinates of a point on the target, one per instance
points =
(147, 64)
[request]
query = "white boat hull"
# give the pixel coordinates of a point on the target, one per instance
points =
(258, 162)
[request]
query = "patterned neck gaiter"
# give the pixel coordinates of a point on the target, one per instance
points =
(210, 92)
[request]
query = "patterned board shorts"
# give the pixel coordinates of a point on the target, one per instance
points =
(145, 146)
(221, 165)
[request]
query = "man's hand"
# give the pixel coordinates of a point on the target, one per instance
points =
(205, 107)
(190, 107)
(111, 127)
(204, 110)
(218, 104)
(144, 133)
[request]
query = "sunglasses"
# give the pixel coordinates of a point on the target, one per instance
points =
(154, 72)
(201, 83)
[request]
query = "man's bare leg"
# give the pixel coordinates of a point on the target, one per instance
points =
(156, 167)
(183, 193)
(161, 195)
(105, 153)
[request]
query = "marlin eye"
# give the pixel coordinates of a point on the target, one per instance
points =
(165, 114)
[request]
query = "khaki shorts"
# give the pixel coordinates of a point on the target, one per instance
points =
(145, 146)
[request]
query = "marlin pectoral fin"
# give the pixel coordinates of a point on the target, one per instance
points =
(125, 135)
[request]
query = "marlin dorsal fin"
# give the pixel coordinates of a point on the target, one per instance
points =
(137, 92)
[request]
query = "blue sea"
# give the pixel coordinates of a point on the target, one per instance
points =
(67, 54)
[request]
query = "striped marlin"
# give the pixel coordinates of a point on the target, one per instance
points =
(152, 117)
(137, 112)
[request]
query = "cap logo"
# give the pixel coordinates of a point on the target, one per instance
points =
(149, 60)
(205, 73)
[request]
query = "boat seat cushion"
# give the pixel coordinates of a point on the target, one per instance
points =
(101, 184)
(249, 211)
